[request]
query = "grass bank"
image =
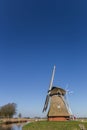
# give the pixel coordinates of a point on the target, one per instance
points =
(12, 120)
(49, 125)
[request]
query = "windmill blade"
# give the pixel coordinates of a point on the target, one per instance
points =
(52, 78)
(50, 87)
(66, 104)
(46, 103)
(67, 90)
(67, 87)
(71, 92)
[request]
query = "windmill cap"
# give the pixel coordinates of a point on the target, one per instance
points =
(56, 90)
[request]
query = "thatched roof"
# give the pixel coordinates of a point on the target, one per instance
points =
(56, 90)
(57, 107)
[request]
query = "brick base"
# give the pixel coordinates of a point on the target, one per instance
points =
(61, 118)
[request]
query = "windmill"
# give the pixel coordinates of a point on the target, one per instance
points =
(58, 106)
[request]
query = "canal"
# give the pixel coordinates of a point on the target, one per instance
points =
(12, 126)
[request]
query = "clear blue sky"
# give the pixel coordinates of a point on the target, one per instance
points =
(35, 35)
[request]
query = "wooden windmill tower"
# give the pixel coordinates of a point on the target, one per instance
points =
(58, 106)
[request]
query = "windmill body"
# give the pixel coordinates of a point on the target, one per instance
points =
(58, 107)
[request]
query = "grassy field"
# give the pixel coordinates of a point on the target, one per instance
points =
(49, 125)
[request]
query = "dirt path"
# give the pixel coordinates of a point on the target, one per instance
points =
(82, 127)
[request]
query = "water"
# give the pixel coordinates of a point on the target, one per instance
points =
(11, 127)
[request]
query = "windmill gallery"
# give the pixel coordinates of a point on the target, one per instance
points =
(59, 109)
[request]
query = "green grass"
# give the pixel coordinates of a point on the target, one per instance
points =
(50, 125)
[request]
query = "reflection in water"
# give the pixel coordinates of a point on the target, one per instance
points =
(11, 127)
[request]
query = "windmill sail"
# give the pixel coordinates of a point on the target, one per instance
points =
(46, 103)
(69, 109)
(52, 78)
(66, 104)
(50, 87)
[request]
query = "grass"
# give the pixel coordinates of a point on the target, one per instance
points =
(49, 125)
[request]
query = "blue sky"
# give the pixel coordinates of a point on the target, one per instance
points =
(35, 35)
